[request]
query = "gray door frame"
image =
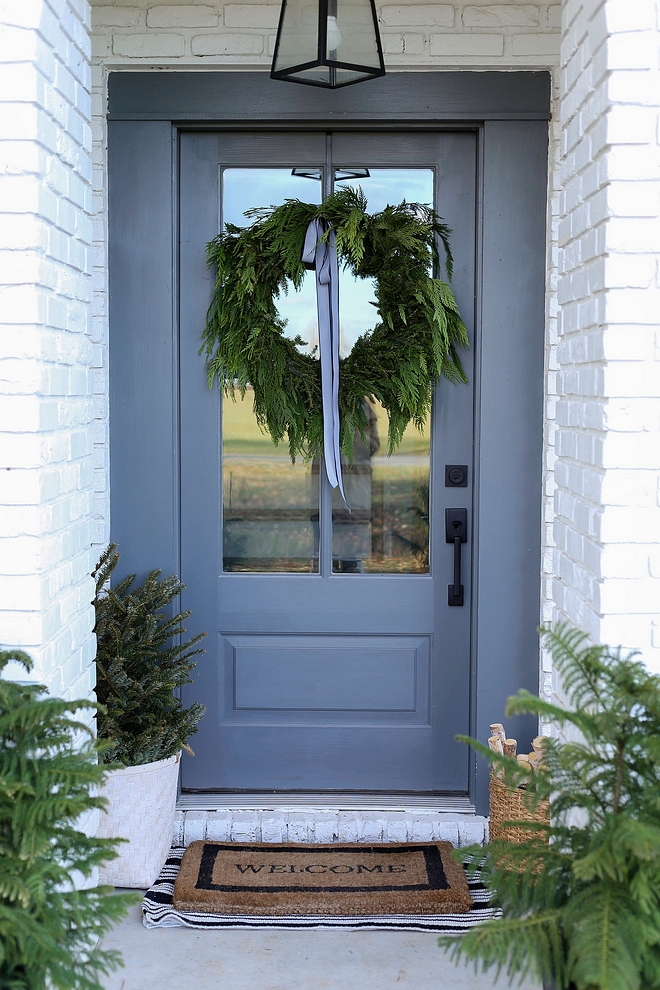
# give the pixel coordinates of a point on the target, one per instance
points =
(509, 111)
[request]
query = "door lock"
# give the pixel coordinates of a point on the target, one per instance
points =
(456, 475)
(456, 533)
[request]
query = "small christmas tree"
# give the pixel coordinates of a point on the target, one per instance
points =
(581, 903)
(140, 664)
(48, 778)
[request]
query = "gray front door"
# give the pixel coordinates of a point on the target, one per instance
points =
(334, 661)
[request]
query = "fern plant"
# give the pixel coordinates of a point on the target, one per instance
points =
(140, 664)
(49, 928)
(581, 902)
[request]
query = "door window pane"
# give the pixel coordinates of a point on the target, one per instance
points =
(382, 187)
(245, 188)
(387, 530)
(270, 506)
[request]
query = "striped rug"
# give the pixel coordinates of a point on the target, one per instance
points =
(158, 912)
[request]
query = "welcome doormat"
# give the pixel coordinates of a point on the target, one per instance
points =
(158, 911)
(347, 879)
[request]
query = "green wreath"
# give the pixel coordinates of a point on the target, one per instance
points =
(397, 363)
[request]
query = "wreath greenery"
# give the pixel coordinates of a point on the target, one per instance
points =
(398, 362)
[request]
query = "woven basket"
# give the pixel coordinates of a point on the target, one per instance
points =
(508, 804)
(141, 808)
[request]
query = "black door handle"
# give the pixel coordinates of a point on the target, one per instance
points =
(456, 533)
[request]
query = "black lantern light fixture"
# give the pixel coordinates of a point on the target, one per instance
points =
(328, 43)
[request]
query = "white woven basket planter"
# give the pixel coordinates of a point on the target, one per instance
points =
(141, 808)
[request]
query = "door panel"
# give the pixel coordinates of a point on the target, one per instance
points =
(352, 672)
(340, 674)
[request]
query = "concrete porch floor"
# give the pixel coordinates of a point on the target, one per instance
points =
(185, 959)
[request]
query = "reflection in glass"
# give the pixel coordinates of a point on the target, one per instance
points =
(387, 529)
(270, 506)
(382, 187)
(245, 188)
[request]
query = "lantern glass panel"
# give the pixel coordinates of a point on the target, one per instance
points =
(355, 26)
(299, 35)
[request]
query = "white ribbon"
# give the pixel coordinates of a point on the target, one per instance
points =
(321, 255)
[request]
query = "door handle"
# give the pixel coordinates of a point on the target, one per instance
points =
(456, 533)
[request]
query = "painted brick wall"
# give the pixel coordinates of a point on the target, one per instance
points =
(210, 33)
(607, 564)
(46, 414)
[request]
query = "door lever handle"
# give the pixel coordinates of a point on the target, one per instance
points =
(456, 533)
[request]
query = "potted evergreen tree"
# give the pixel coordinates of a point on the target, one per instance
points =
(50, 924)
(140, 663)
(581, 902)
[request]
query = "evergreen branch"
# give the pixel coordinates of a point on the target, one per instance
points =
(519, 946)
(141, 662)
(48, 779)
(599, 871)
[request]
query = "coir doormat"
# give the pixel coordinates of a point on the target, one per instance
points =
(349, 879)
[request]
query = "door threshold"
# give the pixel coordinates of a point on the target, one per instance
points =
(441, 804)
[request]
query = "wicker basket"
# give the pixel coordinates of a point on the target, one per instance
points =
(142, 803)
(508, 804)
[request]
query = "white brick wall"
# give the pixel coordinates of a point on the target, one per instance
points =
(46, 470)
(207, 33)
(607, 565)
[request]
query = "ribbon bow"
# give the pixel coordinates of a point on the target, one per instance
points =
(320, 254)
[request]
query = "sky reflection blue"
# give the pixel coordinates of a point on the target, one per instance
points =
(244, 188)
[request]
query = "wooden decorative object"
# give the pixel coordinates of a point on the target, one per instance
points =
(495, 744)
(508, 804)
(510, 747)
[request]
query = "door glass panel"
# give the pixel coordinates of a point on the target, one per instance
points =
(387, 530)
(382, 187)
(246, 188)
(270, 506)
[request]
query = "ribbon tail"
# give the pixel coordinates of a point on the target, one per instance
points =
(335, 335)
(324, 312)
(322, 255)
(312, 237)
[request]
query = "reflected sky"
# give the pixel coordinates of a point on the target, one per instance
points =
(245, 188)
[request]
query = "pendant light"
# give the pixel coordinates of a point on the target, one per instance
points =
(328, 43)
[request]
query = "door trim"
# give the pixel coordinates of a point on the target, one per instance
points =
(249, 801)
(510, 111)
(252, 97)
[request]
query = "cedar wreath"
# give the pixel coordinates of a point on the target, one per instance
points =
(397, 363)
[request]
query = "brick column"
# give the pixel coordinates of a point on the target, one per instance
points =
(607, 528)
(46, 466)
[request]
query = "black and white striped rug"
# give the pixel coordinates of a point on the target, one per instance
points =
(158, 912)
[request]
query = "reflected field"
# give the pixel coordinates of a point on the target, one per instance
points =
(271, 507)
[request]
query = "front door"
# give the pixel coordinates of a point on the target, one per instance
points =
(334, 659)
